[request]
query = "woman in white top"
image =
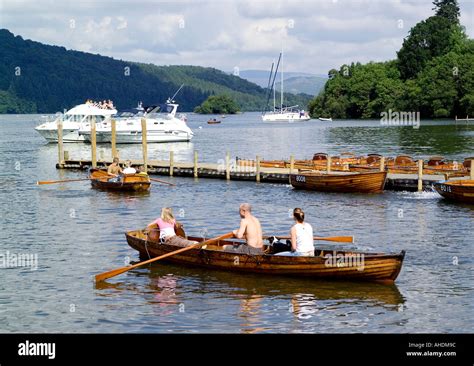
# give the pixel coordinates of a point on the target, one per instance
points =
(129, 169)
(301, 236)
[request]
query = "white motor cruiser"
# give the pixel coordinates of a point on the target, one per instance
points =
(72, 121)
(162, 125)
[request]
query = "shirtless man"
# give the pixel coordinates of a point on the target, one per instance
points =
(250, 230)
(114, 168)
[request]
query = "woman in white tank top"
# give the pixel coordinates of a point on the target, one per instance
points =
(301, 236)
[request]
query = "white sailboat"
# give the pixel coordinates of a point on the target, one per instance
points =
(283, 113)
(72, 121)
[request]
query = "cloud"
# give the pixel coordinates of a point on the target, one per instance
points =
(316, 35)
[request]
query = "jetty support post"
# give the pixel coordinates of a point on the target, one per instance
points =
(472, 169)
(171, 163)
(114, 138)
(195, 168)
(227, 166)
(420, 175)
(257, 169)
(93, 144)
(60, 144)
(328, 164)
(144, 145)
(382, 163)
(292, 167)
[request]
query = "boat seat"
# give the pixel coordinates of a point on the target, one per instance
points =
(467, 162)
(404, 160)
(372, 158)
(320, 156)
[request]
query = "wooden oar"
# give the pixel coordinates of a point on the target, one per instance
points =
(60, 181)
(340, 239)
(161, 181)
(115, 272)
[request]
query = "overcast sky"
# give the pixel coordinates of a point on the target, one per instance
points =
(316, 35)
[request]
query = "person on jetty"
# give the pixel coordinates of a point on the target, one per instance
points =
(250, 230)
(302, 242)
(114, 168)
(128, 168)
(167, 223)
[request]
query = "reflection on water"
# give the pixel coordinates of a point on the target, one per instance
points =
(300, 300)
(249, 311)
(78, 232)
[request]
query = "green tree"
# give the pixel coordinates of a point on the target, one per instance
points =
(433, 75)
(448, 9)
(218, 104)
(430, 38)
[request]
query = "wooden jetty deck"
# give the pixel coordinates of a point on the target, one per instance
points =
(396, 182)
(227, 170)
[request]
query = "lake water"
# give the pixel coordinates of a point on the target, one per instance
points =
(77, 232)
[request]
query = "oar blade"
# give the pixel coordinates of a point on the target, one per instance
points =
(115, 272)
(161, 181)
(339, 239)
(41, 182)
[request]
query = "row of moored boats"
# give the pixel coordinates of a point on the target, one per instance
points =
(368, 174)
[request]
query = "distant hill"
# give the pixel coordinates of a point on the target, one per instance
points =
(311, 85)
(39, 78)
(260, 77)
(294, 82)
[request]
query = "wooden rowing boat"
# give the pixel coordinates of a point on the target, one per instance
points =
(213, 122)
(352, 265)
(404, 164)
(263, 163)
(371, 182)
(318, 162)
(126, 183)
(457, 190)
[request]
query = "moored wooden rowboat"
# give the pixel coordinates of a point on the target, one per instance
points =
(404, 164)
(263, 163)
(318, 162)
(371, 182)
(326, 264)
(458, 190)
(128, 182)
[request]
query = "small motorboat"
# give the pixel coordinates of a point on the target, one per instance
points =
(213, 121)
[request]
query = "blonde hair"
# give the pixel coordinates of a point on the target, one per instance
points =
(167, 214)
(246, 207)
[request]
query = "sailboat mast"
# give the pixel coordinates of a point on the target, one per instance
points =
(274, 100)
(281, 83)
